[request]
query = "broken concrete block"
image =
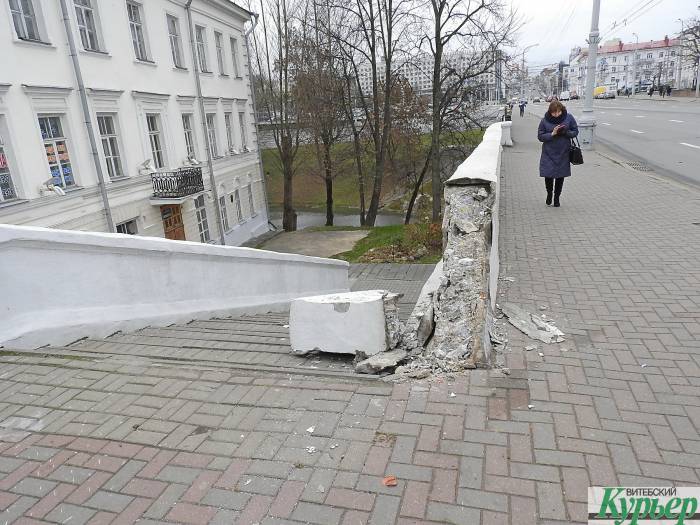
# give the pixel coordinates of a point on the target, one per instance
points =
(531, 325)
(345, 323)
(382, 361)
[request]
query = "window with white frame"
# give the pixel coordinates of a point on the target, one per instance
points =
(211, 132)
(175, 41)
(25, 20)
(650, 55)
(229, 132)
(251, 202)
(56, 148)
(128, 227)
(155, 139)
(7, 188)
(87, 24)
(234, 56)
(224, 214)
(202, 222)
(201, 41)
(189, 135)
(239, 210)
(218, 41)
(244, 135)
(110, 145)
(138, 33)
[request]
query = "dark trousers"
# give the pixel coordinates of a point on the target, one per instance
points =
(522, 112)
(554, 184)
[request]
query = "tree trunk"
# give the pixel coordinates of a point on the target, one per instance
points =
(289, 220)
(360, 176)
(416, 188)
(328, 168)
(435, 137)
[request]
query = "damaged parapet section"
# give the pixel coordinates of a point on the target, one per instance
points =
(448, 329)
(365, 324)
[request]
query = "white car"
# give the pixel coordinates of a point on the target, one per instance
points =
(565, 95)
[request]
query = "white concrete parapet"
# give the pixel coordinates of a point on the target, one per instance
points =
(60, 285)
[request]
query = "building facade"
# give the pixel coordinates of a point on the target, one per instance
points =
(651, 63)
(136, 62)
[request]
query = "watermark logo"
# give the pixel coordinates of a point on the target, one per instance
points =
(643, 505)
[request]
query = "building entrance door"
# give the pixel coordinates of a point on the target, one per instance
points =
(172, 222)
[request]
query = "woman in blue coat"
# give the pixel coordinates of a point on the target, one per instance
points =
(556, 130)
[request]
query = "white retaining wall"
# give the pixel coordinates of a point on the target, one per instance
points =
(59, 286)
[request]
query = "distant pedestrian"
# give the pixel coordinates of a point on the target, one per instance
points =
(555, 132)
(522, 105)
(668, 91)
(650, 91)
(662, 91)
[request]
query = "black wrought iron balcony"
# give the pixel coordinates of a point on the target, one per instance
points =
(178, 183)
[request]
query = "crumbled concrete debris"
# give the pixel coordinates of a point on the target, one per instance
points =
(529, 348)
(382, 361)
(531, 325)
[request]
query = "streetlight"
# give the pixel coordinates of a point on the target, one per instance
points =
(634, 66)
(680, 54)
(587, 122)
(522, 71)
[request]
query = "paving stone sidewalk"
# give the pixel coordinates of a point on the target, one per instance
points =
(89, 434)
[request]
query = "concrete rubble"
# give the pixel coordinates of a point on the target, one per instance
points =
(531, 325)
(365, 324)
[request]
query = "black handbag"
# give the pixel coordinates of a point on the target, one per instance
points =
(575, 154)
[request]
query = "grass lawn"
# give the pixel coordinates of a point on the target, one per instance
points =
(379, 236)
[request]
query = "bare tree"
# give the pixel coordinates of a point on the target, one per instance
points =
(372, 36)
(273, 47)
(464, 37)
(691, 44)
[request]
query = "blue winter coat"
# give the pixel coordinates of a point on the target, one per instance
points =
(554, 161)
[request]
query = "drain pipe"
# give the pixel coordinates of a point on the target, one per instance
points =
(254, 24)
(86, 115)
(200, 101)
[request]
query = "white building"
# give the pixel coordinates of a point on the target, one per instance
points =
(141, 93)
(656, 62)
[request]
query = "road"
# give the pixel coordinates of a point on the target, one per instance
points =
(664, 134)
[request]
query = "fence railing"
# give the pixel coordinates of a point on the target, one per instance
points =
(178, 183)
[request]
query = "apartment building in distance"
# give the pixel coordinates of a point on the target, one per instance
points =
(657, 62)
(150, 121)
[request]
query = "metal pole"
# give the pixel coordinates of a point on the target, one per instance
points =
(697, 80)
(634, 66)
(588, 123)
(210, 163)
(86, 115)
(680, 55)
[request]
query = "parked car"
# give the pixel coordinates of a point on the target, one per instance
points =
(565, 95)
(574, 95)
(537, 99)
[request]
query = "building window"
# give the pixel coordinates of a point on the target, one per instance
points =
(202, 222)
(650, 55)
(673, 53)
(229, 132)
(56, 147)
(128, 227)
(201, 39)
(175, 41)
(189, 135)
(110, 146)
(661, 54)
(239, 211)
(24, 19)
(154, 138)
(138, 38)
(671, 64)
(218, 40)
(244, 135)
(87, 27)
(7, 188)
(234, 55)
(224, 214)
(211, 131)
(251, 202)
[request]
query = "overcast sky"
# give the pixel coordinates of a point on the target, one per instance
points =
(559, 25)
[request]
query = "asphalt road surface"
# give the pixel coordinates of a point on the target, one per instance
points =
(664, 134)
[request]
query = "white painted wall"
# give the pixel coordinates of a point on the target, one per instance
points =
(66, 285)
(37, 78)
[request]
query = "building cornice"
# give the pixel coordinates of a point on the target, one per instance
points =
(46, 91)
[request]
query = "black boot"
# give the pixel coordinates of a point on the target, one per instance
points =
(556, 200)
(558, 186)
(549, 185)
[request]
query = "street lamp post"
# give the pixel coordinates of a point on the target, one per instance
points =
(634, 65)
(587, 123)
(522, 71)
(680, 54)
